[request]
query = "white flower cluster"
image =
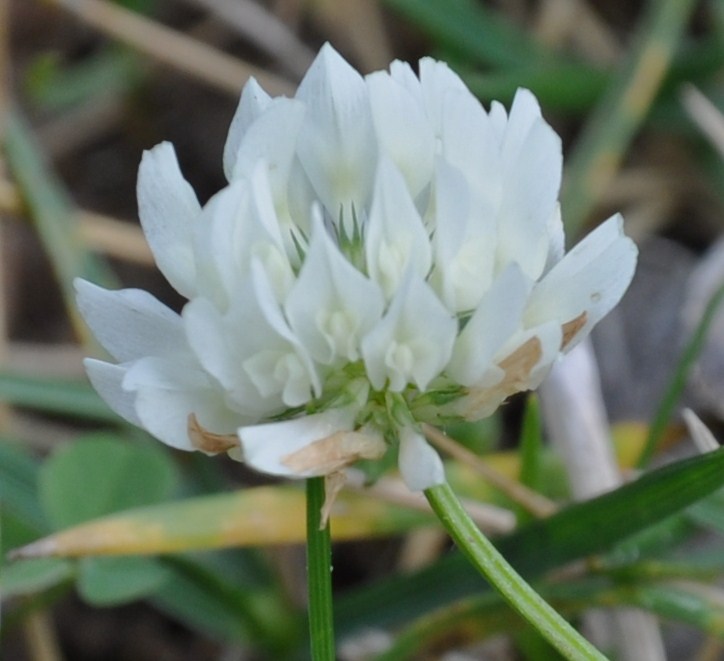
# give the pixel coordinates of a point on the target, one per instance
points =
(386, 252)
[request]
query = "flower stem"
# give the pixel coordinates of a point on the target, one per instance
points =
(319, 575)
(523, 598)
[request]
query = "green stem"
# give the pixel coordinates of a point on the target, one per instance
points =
(486, 559)
(319, 575)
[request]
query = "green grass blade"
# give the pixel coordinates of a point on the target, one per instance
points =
(472, 30)
(54, 219)
(57, 396)
(678, 379)
(621, 111)
(580, 530)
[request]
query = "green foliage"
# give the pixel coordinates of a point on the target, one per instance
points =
(110, 581)
(630, 538)
(103, 474)
(580, 530)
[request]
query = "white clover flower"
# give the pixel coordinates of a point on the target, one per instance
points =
(386, 253)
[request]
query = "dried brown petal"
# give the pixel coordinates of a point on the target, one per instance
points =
(334, 452)
(570, 328)
(481, 402)
(207, 441)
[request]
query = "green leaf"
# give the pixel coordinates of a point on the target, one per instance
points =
(257, 516)
(580, 530)
(34, 575)
(472, 31)
(100, 475)
(55, 87)
(53, 214)
(202, 596)
(709, 512)
(112, 581)
(59, 396)
(623, 108)
(680, 376)
(18, 486)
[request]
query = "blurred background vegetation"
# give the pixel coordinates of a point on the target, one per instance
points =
(204, 560)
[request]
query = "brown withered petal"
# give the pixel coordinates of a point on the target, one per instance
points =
(517, 367)
(335, 452)
(333, 483)
(570, 328)
(206, 441)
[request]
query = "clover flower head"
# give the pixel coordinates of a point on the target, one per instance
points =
(386, 253)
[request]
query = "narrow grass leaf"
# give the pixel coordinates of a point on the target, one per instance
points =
(53, 215)
(58, 396)
(471, 30)
(679, 378)
(580, 530)
(253, 517)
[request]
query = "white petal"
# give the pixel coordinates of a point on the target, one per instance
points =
(469, 143)
(212, 339)
(529, 197)
(264, 447)
(107, 379)
(524, 113)
(167, 392)
(591, 278)
(420, 465)
(402, 73)
(168, 208)
(396, 237)
(464, 242)
(556, 240)
(242, 226)
(437, 80)
(272, 137)
(521, 364)
(494, 322)
(550, 337)
(251, 350)
(129, 323)
(332, 305)
(252, 103)
(404, 132)
(499, 119)
(414, 340)
(337, 146)
(207, 337)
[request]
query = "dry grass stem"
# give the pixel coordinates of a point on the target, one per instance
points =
(101, 233)
(699, 432)
(532, 501)
(41, 637)
(263, 29)
(576, 21)
(360, 27)
(115, 238)
(61, 136)
(705, 115)
(490, 518)
(173, 48)
(62, 361)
